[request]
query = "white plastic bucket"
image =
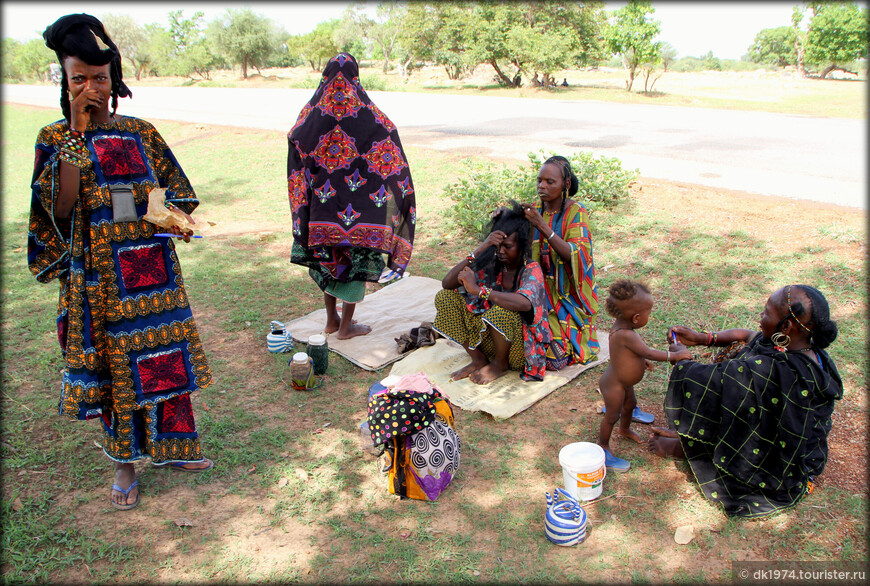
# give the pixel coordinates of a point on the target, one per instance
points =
(583, 470)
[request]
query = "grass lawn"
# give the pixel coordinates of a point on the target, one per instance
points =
(292, 496)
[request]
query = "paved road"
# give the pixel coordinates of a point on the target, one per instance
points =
(820, 159)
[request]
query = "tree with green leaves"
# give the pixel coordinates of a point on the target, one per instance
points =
(632, 35)
(774, 46)
(666, 57)
(245, 38)
(539, 37)
(837, 36)
(316, 47)
(436, 32)
(192, 52)
(23, 60)
(131, 40)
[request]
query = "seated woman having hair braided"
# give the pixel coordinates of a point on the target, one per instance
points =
(754, 426)
(494, 304)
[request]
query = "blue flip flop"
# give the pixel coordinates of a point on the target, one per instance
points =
(616, 464)
(129, 506)
(637, 415)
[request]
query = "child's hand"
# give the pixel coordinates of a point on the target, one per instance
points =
(685, 336)
(679, 352)
(649, 365)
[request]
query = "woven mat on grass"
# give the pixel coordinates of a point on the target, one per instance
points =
(502, 398)
(391, 312)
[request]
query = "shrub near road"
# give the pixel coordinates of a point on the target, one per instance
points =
(292, 497)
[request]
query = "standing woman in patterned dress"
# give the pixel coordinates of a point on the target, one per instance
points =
(562, 246)
(351, 194)
(132, 354)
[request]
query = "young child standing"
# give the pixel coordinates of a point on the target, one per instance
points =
(631, 303)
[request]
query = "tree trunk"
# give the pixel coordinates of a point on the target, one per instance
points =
(835, 67)
(504, 78)
(799, 50)
(244, 68)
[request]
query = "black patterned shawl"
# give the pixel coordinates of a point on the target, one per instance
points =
(754, 429)
(349, 183)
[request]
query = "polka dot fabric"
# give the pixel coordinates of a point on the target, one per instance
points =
(399, 413)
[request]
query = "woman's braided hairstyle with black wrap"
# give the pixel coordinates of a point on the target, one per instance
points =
(80, 35)
(824, 329)
(568, 177)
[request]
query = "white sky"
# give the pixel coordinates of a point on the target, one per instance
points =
(693, 28)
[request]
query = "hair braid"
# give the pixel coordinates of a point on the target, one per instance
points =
(824, 329)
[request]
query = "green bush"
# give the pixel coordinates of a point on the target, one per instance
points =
(486, 186)
(373, 82)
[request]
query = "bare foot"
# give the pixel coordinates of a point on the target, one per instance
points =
(125, 474)
(664, 432)
(332, 323)
(487, 374)
(332, 327)
(665, 446)
(630, 434)
(466, 370)
(353, 331)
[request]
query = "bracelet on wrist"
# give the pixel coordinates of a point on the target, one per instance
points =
(709, 339)
(669, 355)
(553, 233)
(470, 257)
(715, 339)
(484, 292)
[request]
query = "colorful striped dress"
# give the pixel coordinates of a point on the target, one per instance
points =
(570, 287)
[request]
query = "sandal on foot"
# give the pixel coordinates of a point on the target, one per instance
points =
(181, 466)
(615, 464)
(126, 507)
(637, 415)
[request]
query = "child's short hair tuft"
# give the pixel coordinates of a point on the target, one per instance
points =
(619, 293)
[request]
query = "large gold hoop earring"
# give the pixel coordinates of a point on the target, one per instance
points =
(780, 341)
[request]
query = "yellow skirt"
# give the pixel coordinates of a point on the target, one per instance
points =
(455, 322)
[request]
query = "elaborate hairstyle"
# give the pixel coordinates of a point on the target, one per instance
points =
(620, 293)
(823, 330)
(568, 176)
(510, 220)
(83, 36)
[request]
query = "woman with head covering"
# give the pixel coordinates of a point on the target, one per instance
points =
(562, 245)
(754, 426)
(132, 354)
(494, 305)
(351, 194)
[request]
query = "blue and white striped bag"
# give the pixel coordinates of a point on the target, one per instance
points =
(565, 522)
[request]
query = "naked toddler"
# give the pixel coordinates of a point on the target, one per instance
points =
(630, 303)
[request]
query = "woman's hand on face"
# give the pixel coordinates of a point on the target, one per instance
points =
(468, 279)
(81, 106)
(495, 238)
(685, 336)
